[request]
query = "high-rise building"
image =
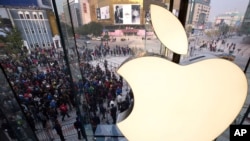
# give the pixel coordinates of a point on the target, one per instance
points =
(34, 26)
(233, 18)
(80, 12)
(27, 3)
(75, 13)
(246, 20)
(198, 13)
(85, 11)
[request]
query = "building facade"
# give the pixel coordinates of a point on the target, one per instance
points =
(75, 13)
(46, 4)
(80, 12)
(34, 26)
(85, 11)
(246, 21)
(233, 18)
(198, 13)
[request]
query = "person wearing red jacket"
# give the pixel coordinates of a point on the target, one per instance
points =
(64, 110)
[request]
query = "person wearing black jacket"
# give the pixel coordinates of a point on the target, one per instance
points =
(58, 129)
(77, 125)
(113, 111)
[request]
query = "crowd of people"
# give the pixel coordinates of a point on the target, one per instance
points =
(42, 83)
(103, 51)
(219, 45)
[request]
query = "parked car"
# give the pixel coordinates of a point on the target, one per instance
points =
(98, 38)
(87, 42)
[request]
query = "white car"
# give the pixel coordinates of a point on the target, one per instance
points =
(87, 42)
(98, 38)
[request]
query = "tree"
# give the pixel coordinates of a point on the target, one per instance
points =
(212, 33)
(189, 29)
(90, 28)
(95, 28)
(223, 28)
(83, 30)
(14, 41)
(3, 39)
(106, 37)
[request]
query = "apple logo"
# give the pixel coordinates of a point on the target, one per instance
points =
(195, 102)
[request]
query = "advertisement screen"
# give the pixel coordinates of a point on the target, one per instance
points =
(127, 14)
(104, 12)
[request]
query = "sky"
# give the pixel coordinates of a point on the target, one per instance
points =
(222, 6)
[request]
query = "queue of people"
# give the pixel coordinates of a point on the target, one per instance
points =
(104, 51)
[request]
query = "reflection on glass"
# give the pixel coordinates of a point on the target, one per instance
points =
(70, 46)
(13, 120)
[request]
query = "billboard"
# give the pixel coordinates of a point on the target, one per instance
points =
(104, 11)
(126, 13)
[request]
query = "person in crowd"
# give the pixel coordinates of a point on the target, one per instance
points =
(42, 90)
(78, 126)
(31, 121)
(6, 128)
(64, 111)
(102, 111)
(59, 131)
(113, 112)
(95, 120)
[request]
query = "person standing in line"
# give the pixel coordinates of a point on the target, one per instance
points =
(113, 111)
(79, 122)
(64, 111)
(58, 129)
(95, 120)
(77, 125)
(102, 111)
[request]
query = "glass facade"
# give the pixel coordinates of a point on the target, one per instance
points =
(13, 120)
(73, 62)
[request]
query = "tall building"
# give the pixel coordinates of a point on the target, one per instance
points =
(230, 18)
(80, 12)
(246, 21)
(198, 13)
(27, 3)
(34, 26)
(75, 13)
(35, 20)
(85, 11)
